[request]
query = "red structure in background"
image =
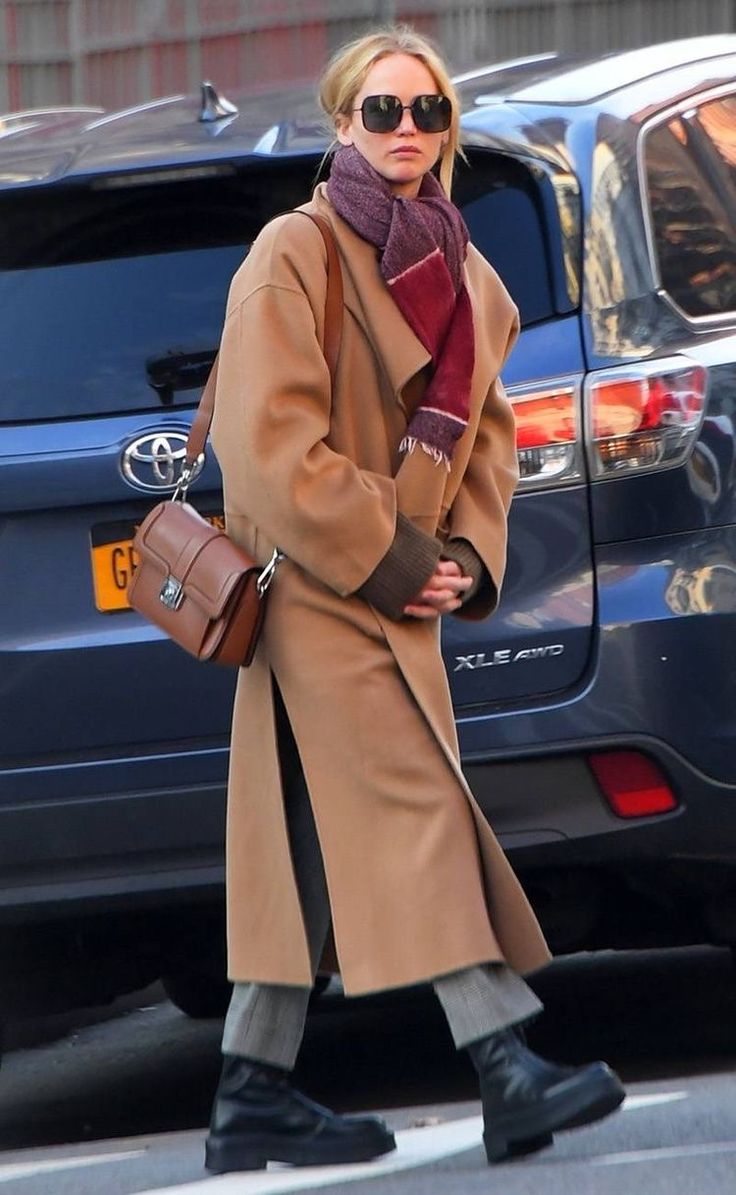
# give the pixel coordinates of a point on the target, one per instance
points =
(117, 53)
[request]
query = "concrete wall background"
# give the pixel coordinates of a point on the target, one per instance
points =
(121, 52)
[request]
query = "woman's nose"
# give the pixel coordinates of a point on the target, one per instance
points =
(406, 124)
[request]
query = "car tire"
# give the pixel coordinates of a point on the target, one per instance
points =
(199, 994)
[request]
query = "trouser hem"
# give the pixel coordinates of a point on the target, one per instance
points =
(485, 999)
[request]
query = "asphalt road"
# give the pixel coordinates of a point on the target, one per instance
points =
(120, 1105)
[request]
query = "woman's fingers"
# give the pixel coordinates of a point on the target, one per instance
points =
(442, 587)
(433, 609)
(441, 593)
(446, 569)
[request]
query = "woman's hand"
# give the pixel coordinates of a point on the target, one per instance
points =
(441, 594)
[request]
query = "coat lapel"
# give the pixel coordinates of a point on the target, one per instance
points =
(369, 300)
(422, 486)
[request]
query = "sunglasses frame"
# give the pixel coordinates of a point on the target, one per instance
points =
(399, 109)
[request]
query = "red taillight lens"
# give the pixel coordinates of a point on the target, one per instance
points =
(546, 434)
(645, 417)
(632, 783)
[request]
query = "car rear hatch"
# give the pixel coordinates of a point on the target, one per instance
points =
(113, 293)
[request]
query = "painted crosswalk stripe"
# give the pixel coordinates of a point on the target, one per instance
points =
(414, 1147)
(28, 1169)
(666, 1153)
(633, 1102)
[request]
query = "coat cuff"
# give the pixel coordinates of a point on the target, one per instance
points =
(483, 588)
(404, 570)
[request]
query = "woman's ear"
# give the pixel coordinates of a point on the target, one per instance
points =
(342, 130)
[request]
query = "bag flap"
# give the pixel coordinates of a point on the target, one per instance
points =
(181, 544)
(216, 571)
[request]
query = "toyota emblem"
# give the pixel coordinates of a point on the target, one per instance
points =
(153, 462)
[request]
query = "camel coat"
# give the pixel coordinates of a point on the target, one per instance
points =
(418, 884)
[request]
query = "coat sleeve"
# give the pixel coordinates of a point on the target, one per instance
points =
(479, 512)
(272, 421)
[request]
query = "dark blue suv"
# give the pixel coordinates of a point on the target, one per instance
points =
(596, 710)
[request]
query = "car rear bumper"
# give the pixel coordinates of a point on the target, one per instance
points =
(600, 880)
(111, 850)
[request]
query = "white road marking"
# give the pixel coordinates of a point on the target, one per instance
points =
(633, 1102)
(414, 1147)
(665, 1153)
(28, 1169)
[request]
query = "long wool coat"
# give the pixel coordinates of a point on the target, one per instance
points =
(418, 884)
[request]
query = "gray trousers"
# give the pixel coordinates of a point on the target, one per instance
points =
(266, 1021)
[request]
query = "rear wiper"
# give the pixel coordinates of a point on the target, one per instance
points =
(178, 371)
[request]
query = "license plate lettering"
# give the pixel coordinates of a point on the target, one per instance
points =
(113, 566)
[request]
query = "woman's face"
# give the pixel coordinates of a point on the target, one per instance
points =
(404, 156)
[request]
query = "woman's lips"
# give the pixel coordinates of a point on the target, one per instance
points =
(405, 149)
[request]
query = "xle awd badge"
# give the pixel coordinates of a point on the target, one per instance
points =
(506, 656)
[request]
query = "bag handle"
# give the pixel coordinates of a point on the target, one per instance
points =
(194, 454)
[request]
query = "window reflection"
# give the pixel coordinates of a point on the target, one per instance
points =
(694, 231)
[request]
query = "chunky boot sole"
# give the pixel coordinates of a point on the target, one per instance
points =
(522, 1149)
(580, 1100)
(253, 1151)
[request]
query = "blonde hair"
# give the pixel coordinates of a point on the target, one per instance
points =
(345, 73)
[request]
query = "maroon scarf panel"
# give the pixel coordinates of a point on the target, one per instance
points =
(422, 244)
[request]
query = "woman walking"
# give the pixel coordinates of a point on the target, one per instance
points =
(388, 493)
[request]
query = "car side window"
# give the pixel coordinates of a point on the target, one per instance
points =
(690, 174)
(506, 224)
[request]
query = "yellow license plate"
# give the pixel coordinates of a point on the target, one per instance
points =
(114, 561)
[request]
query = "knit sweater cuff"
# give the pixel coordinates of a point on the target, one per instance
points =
(404, 570)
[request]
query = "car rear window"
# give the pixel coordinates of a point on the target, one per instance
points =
(690, 176)
(113, 298)
(113, 295)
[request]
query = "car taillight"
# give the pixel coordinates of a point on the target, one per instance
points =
(632, 783)
(547, 434)
(644, 417)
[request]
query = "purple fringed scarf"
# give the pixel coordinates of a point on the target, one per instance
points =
(423, 243)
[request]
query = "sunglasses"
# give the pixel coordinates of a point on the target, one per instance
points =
(383, 113)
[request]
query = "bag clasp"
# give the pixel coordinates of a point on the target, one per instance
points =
(189, 473)
(172, 593)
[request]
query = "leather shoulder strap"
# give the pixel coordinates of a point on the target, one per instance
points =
(334, 299)
(333, 337)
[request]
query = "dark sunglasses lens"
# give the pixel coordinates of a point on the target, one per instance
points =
(432, 113)
(381, 113)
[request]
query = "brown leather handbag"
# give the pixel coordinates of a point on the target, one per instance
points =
(191, 579)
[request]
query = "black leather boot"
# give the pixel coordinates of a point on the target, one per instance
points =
(526, 1099)
(258, 1118)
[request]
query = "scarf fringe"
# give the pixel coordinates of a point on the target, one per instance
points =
(409, 443)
